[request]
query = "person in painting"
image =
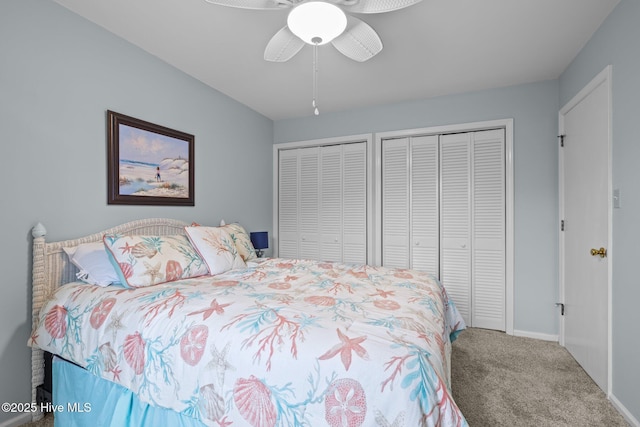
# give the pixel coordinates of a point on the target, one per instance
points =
(158, 174)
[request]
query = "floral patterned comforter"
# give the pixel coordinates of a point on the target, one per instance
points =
(281, 343)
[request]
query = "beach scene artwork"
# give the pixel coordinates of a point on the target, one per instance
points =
(152, 164)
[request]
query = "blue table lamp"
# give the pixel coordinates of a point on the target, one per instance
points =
(260, 241)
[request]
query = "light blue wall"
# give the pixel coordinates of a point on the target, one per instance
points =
(534, 108)
(617, 43)
(58, 75)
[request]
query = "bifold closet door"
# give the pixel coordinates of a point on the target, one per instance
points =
(443, 211)
(455, 220)
(308, 207)
(425, 203)
(331, 204)
(410, 203)
(489, 230)
(354, 203)
(288, 203)
(322, 203)
(472, 226)
(395, 203)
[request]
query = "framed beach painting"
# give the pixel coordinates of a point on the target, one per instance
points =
(148, 164)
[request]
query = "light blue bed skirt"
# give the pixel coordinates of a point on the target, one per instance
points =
(81, 399)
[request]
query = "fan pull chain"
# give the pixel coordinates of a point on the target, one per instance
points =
(314, 103)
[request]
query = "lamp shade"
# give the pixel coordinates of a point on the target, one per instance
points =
(259, 239)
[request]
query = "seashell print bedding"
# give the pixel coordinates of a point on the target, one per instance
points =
(280, 343)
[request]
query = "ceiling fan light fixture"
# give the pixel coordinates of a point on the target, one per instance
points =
(317, 22)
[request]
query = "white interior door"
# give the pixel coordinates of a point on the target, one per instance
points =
(586, 211)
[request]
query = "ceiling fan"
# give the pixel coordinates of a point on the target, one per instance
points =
(318, 22)
(357, 40)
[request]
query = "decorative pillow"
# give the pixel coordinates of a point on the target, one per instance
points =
(215, 245)
(241, 239)
(150, 260)
(93, 262)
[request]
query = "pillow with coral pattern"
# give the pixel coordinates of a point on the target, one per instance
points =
(216, 246)
(242, 240)
(149, 260)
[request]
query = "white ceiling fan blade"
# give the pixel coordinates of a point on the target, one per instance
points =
(250, 4)
(283, 46)
(377, 6)
(359, 41)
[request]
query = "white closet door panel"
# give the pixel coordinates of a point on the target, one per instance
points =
(354, 203)
(488, 267)
(288, 248)
(331, 203)
(288, 204)
(395, 203)
(456, 278)
(455, 219)
(309, 208)
(426, 259)
(488, 290)
(424, 241)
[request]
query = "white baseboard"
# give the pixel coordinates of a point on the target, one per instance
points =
(17, 421)
(624, 411)
(535, 335)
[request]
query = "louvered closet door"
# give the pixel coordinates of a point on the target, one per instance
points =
(455, 220)
(322, 203)
(443, 211)
(331, 203)
(288, 203)
(395, 203)
(354, 203)
(410, 203)
(309, 212)
(488, 227)
(425, 245)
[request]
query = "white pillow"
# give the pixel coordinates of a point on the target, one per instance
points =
(216, 247)
(93, 262)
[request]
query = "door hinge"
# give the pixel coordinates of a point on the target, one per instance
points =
(561, 308)
(562, 225)
(561, 140)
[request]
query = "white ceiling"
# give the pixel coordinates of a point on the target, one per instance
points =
(436, 47)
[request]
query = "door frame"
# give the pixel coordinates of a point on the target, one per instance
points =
(507, 125)
(604, 77)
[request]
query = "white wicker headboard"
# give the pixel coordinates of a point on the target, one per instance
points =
(51, 268)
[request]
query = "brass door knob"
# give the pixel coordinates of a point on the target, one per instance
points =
(602, 252)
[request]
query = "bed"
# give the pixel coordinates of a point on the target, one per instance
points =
(275, 342)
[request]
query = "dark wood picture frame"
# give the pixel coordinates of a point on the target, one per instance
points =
(148, 164)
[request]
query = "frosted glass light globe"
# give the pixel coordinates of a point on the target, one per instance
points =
(317, 22)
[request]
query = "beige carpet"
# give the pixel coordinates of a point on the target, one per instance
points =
(501, 380)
